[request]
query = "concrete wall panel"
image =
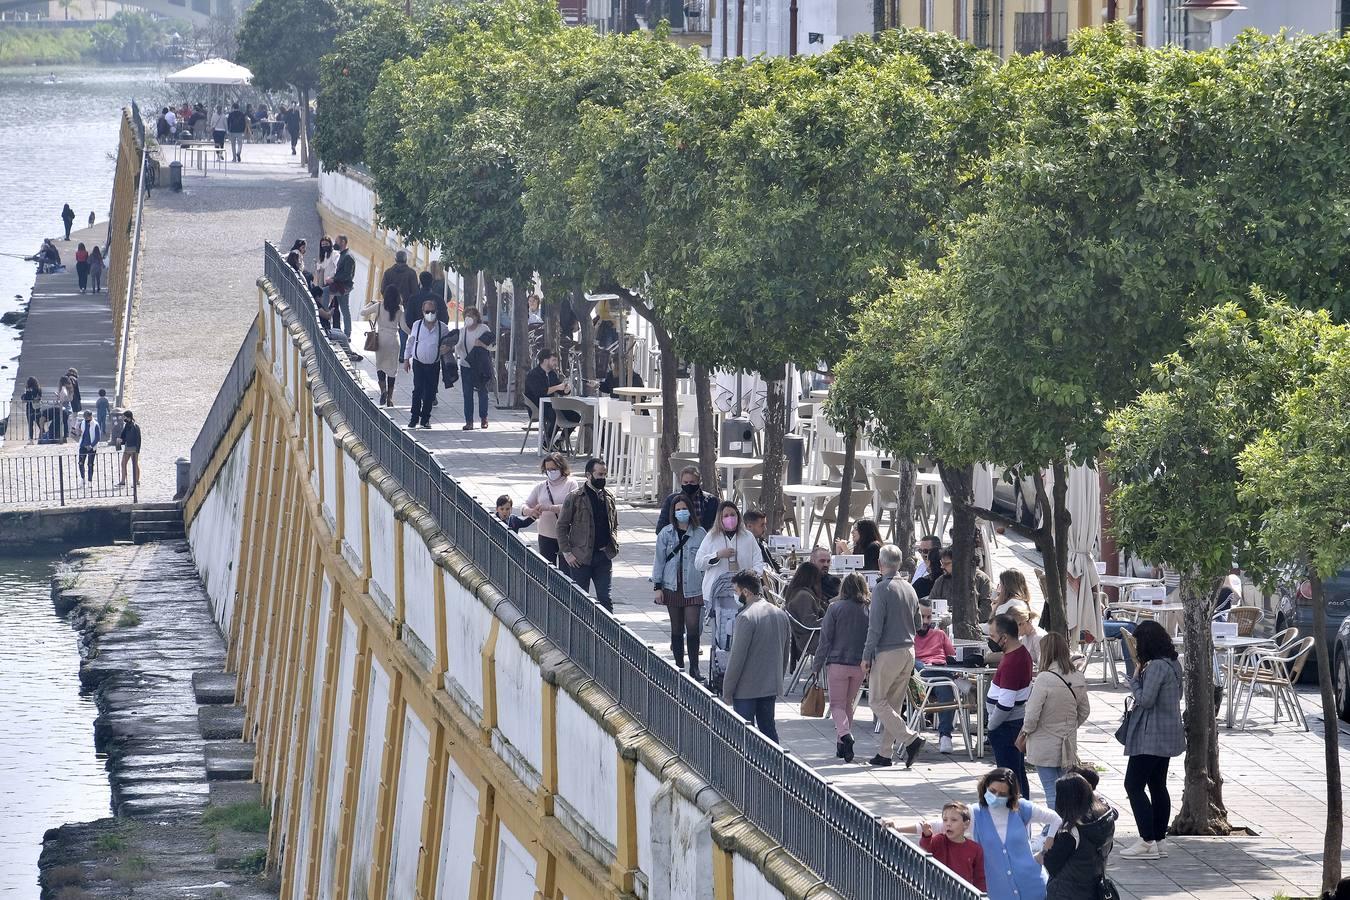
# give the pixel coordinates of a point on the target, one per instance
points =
(419, 593)
(337, 757)
(382, 525)
(647, 795)
(519, 690)
(218, 528)
(353, 541)
(515, 868)
(750, 883)
(409, 806)
(467, 625)
(457, 834)
(317, 689)
(330, 474)
(372, 764)
(587, 769)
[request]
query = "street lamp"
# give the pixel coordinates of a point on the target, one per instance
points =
(1211, 10)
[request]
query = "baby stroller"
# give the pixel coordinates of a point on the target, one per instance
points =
(722, 609)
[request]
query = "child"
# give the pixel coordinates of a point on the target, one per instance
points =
(950, 846)
(504, 512)
(103, 406)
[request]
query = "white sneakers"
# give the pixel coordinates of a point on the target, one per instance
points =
(1144, 850)
(945, 744)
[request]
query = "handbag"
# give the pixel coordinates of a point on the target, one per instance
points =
(1123, 729)
(813, 701)
(372, 340)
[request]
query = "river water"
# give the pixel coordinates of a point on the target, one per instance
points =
(57, 143)
(50, 774)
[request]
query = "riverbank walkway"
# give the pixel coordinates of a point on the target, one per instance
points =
(197, 295)
(1275, 780)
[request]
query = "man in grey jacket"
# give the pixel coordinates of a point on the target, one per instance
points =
(888, 657)
(759, 656)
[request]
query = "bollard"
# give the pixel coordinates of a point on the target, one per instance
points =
(184, 469)
(794, 449)
(176, 175)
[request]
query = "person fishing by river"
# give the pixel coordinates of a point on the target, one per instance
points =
(68, 216)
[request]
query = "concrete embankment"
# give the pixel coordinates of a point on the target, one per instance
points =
(187, 820)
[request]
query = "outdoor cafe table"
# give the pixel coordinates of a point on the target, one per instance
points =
(731, 464)
(635, 393)
(1229, 646)
(1156, 610)
(804, 497)
(937, 523)
(981, 678)
(1127, 583)
(198, 152)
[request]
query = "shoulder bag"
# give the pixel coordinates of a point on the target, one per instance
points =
(372, 340)
(1123, 729)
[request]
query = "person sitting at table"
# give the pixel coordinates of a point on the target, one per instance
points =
(803, 601)
(197, 121)
(703, 504)
(923, 585)
(829, 582)
(758, 524)
(934, 647)
(544, 381)
(1012, 590)
(865, 541)
(944, 587)
(926, 545)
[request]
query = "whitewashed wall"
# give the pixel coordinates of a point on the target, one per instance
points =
(372, 767)
(419, 597)
(749, 882)
(409, 806)
(382, 527)
(457, 832)
(311, 746)
(329, 450)
(215, 545)
(519, 704)
(337, 757)
(467, 625)
(587, 772)
(353, 538)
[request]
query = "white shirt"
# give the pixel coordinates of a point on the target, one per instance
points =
(171, 118)
(747, 556)
(1040, 815)
(326, 268)
(219, 122)
(424, 343)
(919, 571)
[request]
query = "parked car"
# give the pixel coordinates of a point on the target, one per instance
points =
(1340, 669)
(1016, 497)
(1296, 610)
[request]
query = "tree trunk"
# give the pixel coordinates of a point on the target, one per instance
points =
(1054, 616)
(490, 301)
(310, 162)
(960, 486)
(553, 326)
(707, 430)
(775, 427)
(1202, 810)
(904, 509)
(587, 340)
(843, 512)
(470, 292)
(1331, 841)
(520, 337)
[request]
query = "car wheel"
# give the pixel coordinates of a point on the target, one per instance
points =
(1342, 683)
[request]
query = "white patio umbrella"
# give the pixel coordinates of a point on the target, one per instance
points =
(1085, 512)
(212, 71)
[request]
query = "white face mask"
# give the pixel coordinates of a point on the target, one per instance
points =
(429, 318)
(470, 321)
(554, 475)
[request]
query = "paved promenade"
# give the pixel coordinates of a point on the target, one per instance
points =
(1275, 777)
(197, 297)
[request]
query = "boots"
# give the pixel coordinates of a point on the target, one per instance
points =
(384, 387)
(693, 658)
(677, 648)
(389, 392)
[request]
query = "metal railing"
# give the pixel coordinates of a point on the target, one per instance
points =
(844, 844)
(60, 477)
(223, 408)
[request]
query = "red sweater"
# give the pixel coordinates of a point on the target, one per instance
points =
(965, 859)
(933, 648)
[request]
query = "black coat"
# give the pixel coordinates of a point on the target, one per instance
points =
(1076, 866)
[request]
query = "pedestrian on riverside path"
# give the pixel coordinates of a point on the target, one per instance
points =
(1057, 708)
(96, 268)
(32, 402)
(413, 308)
(74, 375)
(545, 503)
(475, 363)
(220, 125)
(82, 267)
(91, 218)
(424, 360)
(888, 656)
(387, 321)
(759, 656)
(292, 120)
(68, 216)
(678, 583)
(324, 269)
(129, 442)
(588, 529)
(61, 420)
(103, 406)
(236, 123)
(1153, 735)
(340, 288)
(843, 634)
(90, 435)
(1007, 698)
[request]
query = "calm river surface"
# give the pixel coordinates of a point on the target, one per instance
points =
(50, 774)
(56, 146)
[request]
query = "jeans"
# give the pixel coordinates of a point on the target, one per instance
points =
(758, 711)
(343, 310)
(1146, 786)
(1111, 632)
(1007, 755)
(86, 463)
(97, 276)
(942, 694)
(844, 683)
(467, 381)
(236, 145)
(424, 391)
(600, 570)
(1048, 776)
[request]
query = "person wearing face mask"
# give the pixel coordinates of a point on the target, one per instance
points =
(544, 381)
(759, 656)
(1004, 823)
(588, 529)
(340, 286)
(933, 647)
(701, 503)
(726, 550)
(676, 581)
(1007, 698)
(424, 359)
(475, 364)
(545, 503)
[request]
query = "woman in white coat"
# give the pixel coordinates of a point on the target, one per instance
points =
(727, 549)
(1057, 707)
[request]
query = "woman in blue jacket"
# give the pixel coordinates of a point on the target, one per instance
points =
(1004, 824)
(678, 582)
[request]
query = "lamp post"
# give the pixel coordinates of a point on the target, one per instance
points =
(1211, 10)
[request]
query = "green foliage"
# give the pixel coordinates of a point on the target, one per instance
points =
(348, 75)
(129, 618)
(282, 41)
(252, 818)
(253, 862)
(26, 46)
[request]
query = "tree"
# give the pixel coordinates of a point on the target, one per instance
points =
(282, 43)
(1295, 471)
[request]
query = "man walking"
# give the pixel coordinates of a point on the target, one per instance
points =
(90, 435)
(701, 502)
(129, 442)
(292, 120)
(759, 656)
(888, 656)
(403, 277)
(424, 359)
(236, 123)
(588, 529)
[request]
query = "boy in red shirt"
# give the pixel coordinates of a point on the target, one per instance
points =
(950, 846)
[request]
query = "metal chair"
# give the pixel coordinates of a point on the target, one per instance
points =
(1279, 672)
(1246, 618)
(569, 415)
(923, 702)
(808, 656)
(533, 420)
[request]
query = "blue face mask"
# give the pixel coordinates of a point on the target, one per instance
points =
(682, 516)
(994, 800)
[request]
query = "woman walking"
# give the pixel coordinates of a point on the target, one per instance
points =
(471, 350)
(1004, 823)
(1153, 735)
(677, 584)
(728, 548)
(806, 605)
(1075, 855)
(82, 266)
(61, 417)
(96, 268)
(545, 502)
(842, 636)
(1057, 708)
(67, 218)
(32, 403)
(220, 123)
(386, 318)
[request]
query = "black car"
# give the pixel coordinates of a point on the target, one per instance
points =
(1295, 609)
(1340, 668)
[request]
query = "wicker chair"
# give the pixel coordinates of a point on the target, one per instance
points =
(1246, 618)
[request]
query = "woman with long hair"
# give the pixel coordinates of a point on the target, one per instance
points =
(82, 266)
(677, 584)
(729, 548)
(96, 268)
(1004, 822)
(843, 632)
(803, 601)
(1075, 855)
(32, 403)
(386, 317)
(1153, 735)
(1056, 709)
(865, 541)
(474, 335)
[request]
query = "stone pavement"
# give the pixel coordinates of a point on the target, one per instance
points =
(201, 257)
(1275, 774)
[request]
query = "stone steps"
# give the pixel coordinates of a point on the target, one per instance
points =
(157, 522)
